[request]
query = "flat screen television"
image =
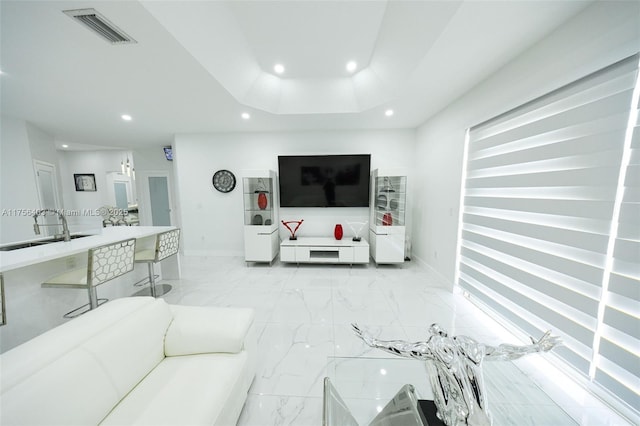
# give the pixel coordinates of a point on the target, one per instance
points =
(324, 180)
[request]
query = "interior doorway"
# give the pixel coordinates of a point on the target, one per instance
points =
(122, 201)
(120, 191)
(156, 201)
(159, 199)
(47, 195)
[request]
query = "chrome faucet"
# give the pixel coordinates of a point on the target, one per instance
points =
(65, 227)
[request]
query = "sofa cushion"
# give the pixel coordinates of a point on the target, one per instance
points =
(197, 330)
(133, 346)
(72, 390)
(188, 390)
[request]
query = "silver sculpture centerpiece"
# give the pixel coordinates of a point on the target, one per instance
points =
(454, 364)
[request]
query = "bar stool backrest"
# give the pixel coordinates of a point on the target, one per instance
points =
(167, 244)
(110, 261)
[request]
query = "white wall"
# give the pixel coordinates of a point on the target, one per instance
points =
(17, 181)
(22, 144)
(602, 34)
(89, 162)
(151, 159)
(212, 222)
(42, 145)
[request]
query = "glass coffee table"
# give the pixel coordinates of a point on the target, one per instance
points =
(358, 392)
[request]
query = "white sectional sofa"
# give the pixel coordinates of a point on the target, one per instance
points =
(132, 361)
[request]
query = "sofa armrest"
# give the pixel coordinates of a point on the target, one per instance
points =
(197, 330)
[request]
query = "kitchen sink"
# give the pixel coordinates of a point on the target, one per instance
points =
(57, 239)
(27, 244)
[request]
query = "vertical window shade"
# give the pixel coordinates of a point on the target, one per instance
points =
(538, 206)
(618, 364)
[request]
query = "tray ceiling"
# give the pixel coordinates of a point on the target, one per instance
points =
(197, 65)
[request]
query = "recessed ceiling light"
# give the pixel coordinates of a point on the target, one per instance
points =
(246, 115)
(278, 68)
(351, 66)
(64, 145)
(388, 112)
(126, 117)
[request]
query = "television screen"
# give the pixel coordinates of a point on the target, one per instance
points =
(168, 153)
(324, 180)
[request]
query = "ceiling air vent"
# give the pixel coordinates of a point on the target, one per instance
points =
(100, 25)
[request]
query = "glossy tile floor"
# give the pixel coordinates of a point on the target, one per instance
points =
(304, 314)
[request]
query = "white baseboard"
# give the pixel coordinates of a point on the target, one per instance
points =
(444, 281)
(214, 253)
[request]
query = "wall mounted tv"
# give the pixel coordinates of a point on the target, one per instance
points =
(324, 180)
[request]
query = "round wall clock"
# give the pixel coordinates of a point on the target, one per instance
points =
(224, 181)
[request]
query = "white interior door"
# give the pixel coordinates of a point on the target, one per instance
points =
(47, 195)
(122, 201)
(156, 202)
(159, 200)
(119, 190)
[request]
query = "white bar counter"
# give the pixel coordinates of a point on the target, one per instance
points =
(32, 310)
(19, 258)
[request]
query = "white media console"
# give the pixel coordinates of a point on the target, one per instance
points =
(324, 250)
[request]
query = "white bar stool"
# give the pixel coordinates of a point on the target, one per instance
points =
(167, 245)
(104, 264)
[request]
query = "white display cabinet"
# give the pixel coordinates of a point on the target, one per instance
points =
(387, 216)
(261, 238)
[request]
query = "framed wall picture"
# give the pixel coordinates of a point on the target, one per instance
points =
(85, 182)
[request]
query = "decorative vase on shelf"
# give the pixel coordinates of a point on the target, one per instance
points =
(257, 220)
(262, 192)
(338, 232)
(387, 219)
(262, 201)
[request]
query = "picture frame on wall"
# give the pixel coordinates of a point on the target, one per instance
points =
(85, 181)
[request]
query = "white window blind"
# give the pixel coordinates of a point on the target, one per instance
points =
(617, 364)
(539, 200)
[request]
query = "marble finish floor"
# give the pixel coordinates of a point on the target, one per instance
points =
(304, 314)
